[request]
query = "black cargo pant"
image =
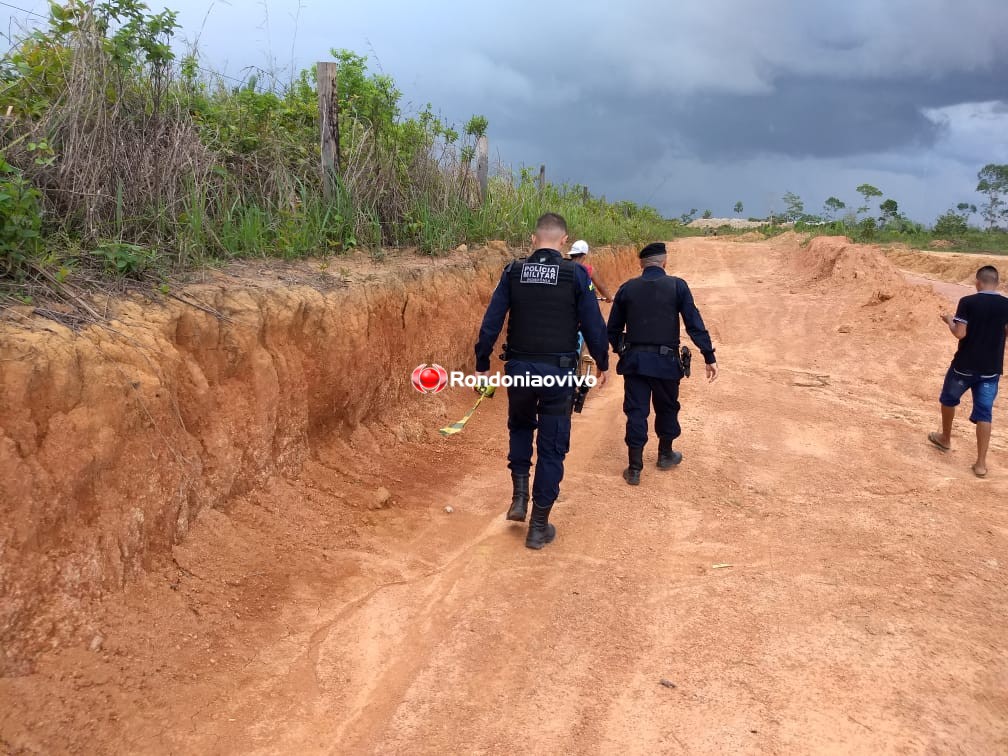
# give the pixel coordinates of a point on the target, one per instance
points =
(639, 391)
(545, 413)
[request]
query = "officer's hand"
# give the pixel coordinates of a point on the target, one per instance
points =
(603, 377)
(712, 372)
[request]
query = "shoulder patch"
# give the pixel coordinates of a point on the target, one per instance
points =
(538, 273)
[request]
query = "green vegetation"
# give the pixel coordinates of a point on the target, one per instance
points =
(120, 158)
(951, 228)
(993, 184)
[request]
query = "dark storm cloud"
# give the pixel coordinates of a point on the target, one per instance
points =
(699, 98)
(816, 117)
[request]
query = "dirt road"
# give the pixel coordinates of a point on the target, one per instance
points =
(813, 578)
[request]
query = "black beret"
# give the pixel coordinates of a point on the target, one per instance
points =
(654, 249)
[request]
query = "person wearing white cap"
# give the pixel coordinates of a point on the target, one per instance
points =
(579, 254)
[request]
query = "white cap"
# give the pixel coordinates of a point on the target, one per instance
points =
(580, 247)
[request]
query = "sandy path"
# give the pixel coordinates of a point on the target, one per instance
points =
(862, 611)
(952, 291)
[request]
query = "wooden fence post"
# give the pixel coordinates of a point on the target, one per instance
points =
(587, 195)
(542, 177)
(328, 88)
(482, 165)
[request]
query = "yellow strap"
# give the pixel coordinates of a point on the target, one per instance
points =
(451, 430)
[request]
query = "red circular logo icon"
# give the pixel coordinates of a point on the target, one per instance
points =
(429, 379)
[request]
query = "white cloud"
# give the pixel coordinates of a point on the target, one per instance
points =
(973, 132)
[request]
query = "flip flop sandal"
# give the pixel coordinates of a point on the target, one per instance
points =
(979, 475)
(934, 439)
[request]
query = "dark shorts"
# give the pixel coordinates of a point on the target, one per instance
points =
(984, 391)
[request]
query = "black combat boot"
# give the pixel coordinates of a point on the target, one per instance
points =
(632, 474)
(540, 530)
(667, 456)
(520, 497)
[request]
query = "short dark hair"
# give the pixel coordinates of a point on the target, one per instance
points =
(551, 222)
(988, 274)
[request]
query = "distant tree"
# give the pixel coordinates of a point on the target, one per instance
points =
(832, 206)
(951, 224)
(867, 191)
(738, 208)
(966, 209)
(687, 218)
(994, 184)
(708, 214)
(866, 229)
(890, 212)
(795, 206)
(477, 126)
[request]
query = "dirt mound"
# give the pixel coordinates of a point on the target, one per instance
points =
(114, 439)
(953, 267)
(730, 222)
(748, 236)
(877, 294)
(837, 259)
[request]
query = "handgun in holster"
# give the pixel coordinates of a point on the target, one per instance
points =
(580, 394)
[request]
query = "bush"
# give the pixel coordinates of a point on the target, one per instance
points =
(125, 259)
(950, 225)
(866, 230)
(20, 220)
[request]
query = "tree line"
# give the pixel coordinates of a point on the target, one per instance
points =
(992, 184)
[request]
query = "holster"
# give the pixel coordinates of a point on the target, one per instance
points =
(685, 361)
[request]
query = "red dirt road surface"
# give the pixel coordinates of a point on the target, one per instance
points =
(815, 577)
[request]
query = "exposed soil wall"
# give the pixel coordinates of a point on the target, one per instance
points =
(112, 440)
(954, 267)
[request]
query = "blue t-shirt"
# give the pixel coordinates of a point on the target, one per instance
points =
(985, 315)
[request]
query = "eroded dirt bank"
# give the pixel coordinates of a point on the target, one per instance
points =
(947, 267)
(114, 439)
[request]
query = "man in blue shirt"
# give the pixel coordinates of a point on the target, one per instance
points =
(980, 324)
(546, 300)
(644, 330)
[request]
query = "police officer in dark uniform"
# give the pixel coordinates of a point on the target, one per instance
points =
(549, 300)
(644, 330)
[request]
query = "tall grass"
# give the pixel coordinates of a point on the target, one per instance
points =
(134, 151)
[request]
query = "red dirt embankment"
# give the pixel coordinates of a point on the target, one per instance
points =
(112, 440)
(861, 270)
(949, 267)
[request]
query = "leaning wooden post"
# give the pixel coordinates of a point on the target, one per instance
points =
(328, 88)
(542, 177)
(587, 195)
(482, 165)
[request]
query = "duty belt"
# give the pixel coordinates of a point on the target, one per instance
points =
(556, 360)
(656, 348)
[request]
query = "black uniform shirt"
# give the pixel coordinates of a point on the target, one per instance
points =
(656, 365)
(592, 323)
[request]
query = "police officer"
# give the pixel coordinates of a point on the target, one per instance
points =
(644, 330)
(549, 299)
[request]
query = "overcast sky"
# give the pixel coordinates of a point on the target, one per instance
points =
(677, 104)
